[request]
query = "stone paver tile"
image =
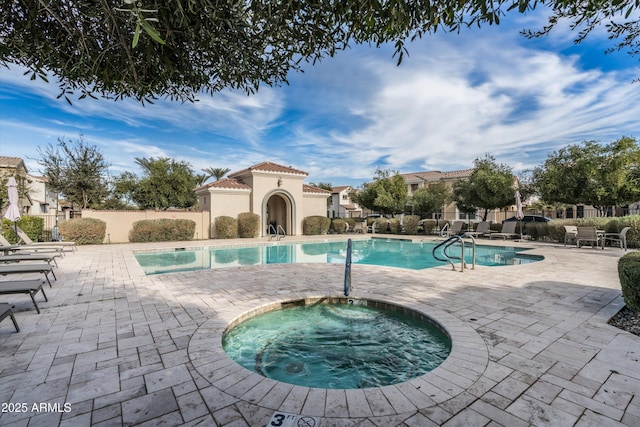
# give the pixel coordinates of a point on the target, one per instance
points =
(93, 384)
(538, 413)
(544, 391)
(510, 388)
(192, 406)
(336, 404)
(357, 403)
(216, 399)
(378, 402)
(496, 414)
(276, 395)
(227, 415)
(79, 421)
(171, 419)
(120, 396)
(164, 378)
(254, 415)
(106, 413)
(315, 403)
(592, 419)
(149, 406)
(417, 420)
(467, 418)
(594, 405)
(295, 400)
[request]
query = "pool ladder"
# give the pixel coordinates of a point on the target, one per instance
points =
(347, 270)
(277, 233)
(448, 257)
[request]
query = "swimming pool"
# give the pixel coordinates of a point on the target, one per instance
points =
(375, 251)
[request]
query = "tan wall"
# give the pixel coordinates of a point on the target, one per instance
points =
(314, 204)
(119, 223)
(228, 203)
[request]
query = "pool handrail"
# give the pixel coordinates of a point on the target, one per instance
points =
(448, 257)
(347, 270)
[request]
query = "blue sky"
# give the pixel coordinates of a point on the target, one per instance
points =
(456, 97)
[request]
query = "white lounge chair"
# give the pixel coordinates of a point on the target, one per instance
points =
(42, 268)
(570, 233)
(620, 237)
(483, 229)
(30, 243)
(508, 231)
(5, 311)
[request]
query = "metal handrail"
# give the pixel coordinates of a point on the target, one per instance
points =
(284, 233)
(272, 231)
(445, 227)
(448, 257)
(347, 270)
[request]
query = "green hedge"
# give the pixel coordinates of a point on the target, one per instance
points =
(84, 231)
(315, 225)
(338, 225)
(162, 230)
(32, 225)
(629, 274)
(248, 225)
(394, 226)
(554, 230)
(410, 223)
(226, 227)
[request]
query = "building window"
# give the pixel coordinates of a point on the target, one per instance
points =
(345, 197)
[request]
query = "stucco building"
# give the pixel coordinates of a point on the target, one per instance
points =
(341, 204)
(276, 193)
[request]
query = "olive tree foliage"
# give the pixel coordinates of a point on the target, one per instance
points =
(592, 174)
(166, 183)
(426, 200)
(151, 48)
(76, 170)
(386, 194)
(490, 186)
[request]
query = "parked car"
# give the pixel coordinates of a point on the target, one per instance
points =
(528, 219)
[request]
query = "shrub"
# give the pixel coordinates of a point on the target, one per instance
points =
(226, 227)
(83, 231)
(248, 225)
(410, 223)
(315, 224)
(162, 230)
(429, 225)
(32, 225)
(629, 274)
(338, 225)
(382, 225)
(351, 222)
(394, 226)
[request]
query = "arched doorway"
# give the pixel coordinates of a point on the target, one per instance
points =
(277, 210)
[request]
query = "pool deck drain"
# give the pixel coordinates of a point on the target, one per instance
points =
(122, 348)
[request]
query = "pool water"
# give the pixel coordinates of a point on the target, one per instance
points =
(338, 346)
(383, 252)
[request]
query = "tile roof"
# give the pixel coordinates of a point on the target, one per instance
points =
(10, 161)
(270, 167)
(312, 189)
(229, 183)
(340, 188)
(436, 175)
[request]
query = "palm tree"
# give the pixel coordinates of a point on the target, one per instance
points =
(216, 172)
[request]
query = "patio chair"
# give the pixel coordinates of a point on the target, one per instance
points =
(483, 229)
(30, 243)
(588, 234)
(570, 233)
(5, 311)
(31, 287)
(455, 229)
(30, 256)
(8, 247)
(508, 231)
(43, 268)
(620, 237)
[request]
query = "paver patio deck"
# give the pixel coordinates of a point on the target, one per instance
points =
(115, 347)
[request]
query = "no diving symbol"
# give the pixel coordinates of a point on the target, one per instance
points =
(306, 422)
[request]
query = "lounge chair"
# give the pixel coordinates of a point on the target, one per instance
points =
(29, 256)
(31, 287)
(8, 247)
(43, 268)
(28, 242)
(588, 234)
(620, 237)
(456, 229)
(5, 311)
(360, 227)
(570, 233)
(508, 231)
(483, 229)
